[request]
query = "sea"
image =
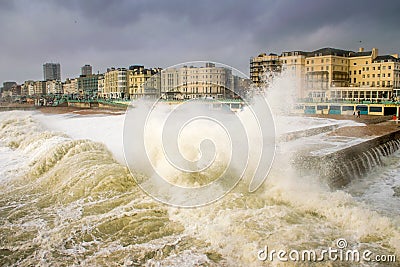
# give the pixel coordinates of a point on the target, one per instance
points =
(67, 198)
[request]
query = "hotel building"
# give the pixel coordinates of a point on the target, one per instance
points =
(330, 73)
(189, 82)
(143, 82)
(115, 83)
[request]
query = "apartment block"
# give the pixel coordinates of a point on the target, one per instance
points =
(263, 66)
(189, 82)
(28, 88)
(143, 82)
(330, 73)
(54, 87)
(88, 84)
(52, 71)
(115, 83)
(70, 86)
(86, 70)
(39, 87)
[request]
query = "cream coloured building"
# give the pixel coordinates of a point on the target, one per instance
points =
(115, 83)
(39, 87)
(330, 73)
(263, 65)
(100, 87)
(294, 64)
(70, 86)
(143, 82)
(53, 87)
(28, 88)
(188, 82)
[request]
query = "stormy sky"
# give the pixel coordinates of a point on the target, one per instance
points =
(161, 33)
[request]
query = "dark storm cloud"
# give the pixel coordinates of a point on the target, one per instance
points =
(161, 33)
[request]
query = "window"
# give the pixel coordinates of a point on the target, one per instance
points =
(388, 75)
(389, 67)
(312, 61)
(373, 68)
(308, 62)
(355, 64)
(363, 76)
(379, 68)
(308, 69)
(322, 60)
(355, 72)
(355, 80)
(327, 67)
(367, 68)
(383, 75)
(359, 72)
(378, 75)
(367, 75)
(322, 67)
(363, 69)
(373, 75)
(366, 62)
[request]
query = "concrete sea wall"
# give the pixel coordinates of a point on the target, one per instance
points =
(340, 167)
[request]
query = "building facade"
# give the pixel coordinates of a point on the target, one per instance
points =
(86, 70)
(141, 82)
(70, 86)
(28, 88)
(331, 73)
(54, 87)
(190, 82)
(52, 71)
(39, 87)
(88, 85)
(115, 83)
(263, 66)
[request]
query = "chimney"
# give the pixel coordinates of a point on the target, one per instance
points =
(361, 49)
(395, 55)
(374, 53)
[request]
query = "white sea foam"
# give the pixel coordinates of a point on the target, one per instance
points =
(68, 197)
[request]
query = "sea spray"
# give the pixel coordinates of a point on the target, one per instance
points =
(75, 205)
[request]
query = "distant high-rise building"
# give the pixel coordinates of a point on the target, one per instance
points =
(86, 70)
(52, 71)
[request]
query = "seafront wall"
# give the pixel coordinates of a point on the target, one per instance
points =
(339, 168)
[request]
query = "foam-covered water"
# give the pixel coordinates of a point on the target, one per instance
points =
(67, 199)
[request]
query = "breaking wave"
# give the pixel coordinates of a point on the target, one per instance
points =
(66, 202)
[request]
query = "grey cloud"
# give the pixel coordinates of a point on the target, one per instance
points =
(161, 33)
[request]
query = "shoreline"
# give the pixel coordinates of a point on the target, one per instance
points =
(80, 111)
(374, 125)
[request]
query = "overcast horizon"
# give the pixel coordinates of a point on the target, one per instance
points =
(159, 33)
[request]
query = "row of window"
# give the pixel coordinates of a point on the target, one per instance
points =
(337, 68)
(373, 75)
(378, 83)
(359, 94)
(325, 61)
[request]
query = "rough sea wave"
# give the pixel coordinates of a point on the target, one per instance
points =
(67, 201)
